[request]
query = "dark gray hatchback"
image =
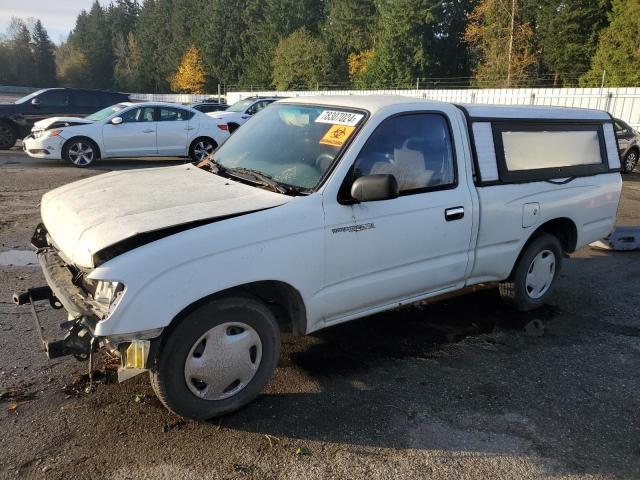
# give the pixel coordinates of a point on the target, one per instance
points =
(628, 145)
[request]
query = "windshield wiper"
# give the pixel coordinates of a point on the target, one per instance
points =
(257, 177)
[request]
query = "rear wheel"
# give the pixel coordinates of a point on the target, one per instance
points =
(8, 136)
(80, 152)
(630, 161)
(201, 148)
(218, 358)
(535, 274)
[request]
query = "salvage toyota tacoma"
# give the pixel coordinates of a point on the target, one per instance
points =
(324, 210)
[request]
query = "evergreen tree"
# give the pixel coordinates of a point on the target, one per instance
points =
(404, 42)
(21, 65)
(618, 50)
(301, 61)
(71, 66)
(44, 73)
(189, 78)
(567, 33)
(127, 68)
(92, 37)
(502, 42)
(153, 36)
(266, 22)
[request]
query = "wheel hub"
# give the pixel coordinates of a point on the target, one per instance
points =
(81, 154)
(540, 274)
(223, 361)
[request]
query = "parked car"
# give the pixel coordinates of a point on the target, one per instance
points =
(628, 145)
(326, 210)
(241, 111)
(127, 130)
(206, 107)
(17, 119)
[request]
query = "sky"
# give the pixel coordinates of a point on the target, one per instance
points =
(57, 16)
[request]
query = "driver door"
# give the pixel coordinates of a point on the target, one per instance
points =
(134, 137)
(382, 252)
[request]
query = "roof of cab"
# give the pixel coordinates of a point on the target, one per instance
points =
(373, 103)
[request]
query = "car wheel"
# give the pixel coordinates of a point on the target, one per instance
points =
(630, 161)
(201, 148)
(218, 358)
(8, 136)
(535, 274)
(80, 152)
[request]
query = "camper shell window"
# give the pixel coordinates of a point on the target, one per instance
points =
(544, 151)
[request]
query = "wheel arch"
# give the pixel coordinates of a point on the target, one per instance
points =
(563, 228)
(284, 301)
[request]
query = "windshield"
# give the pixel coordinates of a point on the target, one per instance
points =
(293, 144)
(106, 112)
(29, 97)
(240, 106)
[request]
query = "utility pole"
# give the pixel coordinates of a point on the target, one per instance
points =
(511, 32)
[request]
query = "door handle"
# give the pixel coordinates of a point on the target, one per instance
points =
(190, 128)
(454, 213)
(147, 131)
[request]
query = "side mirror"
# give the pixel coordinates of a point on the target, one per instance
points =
(116, 120)
(372, 188)
(35, 102)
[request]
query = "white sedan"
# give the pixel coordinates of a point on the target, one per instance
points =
(148, 129)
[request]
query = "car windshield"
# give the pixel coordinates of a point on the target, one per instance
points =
(292, 144)
(29, 97)
(240, 106)
(106, 112)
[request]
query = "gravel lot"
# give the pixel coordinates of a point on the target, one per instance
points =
(456, 389)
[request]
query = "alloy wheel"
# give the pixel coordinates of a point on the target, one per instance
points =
(202, 150)
(81, 154)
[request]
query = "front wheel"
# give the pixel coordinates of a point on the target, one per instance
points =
(535, 274)
(630, 161)
(80, 152)
(218, 358)
(8, 136)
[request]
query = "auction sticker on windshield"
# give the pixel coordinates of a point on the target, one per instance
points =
(337, 135)
(339, 118)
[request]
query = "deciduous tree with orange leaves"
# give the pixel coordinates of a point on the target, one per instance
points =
(190, 76)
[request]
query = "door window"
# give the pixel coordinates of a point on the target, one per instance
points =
(168, 114)
(144, 114)
(54, 98)
(415, 148)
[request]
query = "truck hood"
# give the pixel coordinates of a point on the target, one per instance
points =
(59, 122)
(85, 217)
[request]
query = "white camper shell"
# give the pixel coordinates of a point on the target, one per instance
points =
(320, 210)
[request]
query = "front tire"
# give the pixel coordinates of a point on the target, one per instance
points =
(218, 358)
(8, 136)
(629, 161)
(535, 274)
(80, 152)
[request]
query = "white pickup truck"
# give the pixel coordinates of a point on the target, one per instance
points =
(326, 209)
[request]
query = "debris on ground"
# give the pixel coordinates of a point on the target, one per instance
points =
(271, 439)
(177, 425)
(535, 328)
(13, 408)
(621, 239)
(303, 451)
(138, 397)
(16, 394)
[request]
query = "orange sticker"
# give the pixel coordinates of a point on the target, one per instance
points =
(337, 135)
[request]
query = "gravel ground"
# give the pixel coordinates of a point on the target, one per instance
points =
(456, 389)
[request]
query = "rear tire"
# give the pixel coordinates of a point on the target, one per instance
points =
(240, 333)
(629, 161)
(8, 136)
(535, 274)
(80, 152)
(201, 148)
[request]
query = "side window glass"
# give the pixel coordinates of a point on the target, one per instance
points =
(174, 114)
(87, 99)
(416, 149)
(54, 98)
(144, 114)
(618, 126)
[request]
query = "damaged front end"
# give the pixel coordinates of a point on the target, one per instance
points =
(87, 302)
